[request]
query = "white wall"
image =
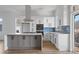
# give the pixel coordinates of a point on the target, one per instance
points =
(8, 24)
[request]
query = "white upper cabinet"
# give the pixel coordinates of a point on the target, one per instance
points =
(49, 21)
(59, 15)
(66, 15)
(62, 15)
(38, 19)
(33, 26)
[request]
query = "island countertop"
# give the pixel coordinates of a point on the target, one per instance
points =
(28, 33)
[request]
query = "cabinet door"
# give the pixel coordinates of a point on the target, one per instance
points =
(36, 41)
(49, 36)
(27, 43)
(56, 40)
(52, 38)
(32, 41)
(32, 27)
(9, 41)
(15, 43)
(21, 42)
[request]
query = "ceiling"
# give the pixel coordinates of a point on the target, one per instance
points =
(43, 10)
(37, 10)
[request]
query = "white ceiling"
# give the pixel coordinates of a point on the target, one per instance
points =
(37, 10)
(43, 10)
(14, 9)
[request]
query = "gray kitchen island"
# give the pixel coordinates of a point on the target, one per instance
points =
(23, 41)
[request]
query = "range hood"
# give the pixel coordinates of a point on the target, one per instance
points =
(27, 13)
(26, 24)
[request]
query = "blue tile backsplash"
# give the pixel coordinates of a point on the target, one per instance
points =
(65, 29)
(49, 29)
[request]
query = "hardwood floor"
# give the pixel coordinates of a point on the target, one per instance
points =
(48, 47)
(76, 49)
(1, 46)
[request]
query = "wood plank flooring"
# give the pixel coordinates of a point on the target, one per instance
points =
(76, 49)
(48, 47)
(1, 46)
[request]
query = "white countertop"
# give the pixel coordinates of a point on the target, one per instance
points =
(55, 33)
(25, 33)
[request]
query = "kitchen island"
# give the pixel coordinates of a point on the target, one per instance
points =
(26, 41)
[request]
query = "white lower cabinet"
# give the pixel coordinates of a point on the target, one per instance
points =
(52, 38)
(48, 36)
(62, 42)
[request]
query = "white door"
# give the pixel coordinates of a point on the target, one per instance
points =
(75, 31)
(72, 43)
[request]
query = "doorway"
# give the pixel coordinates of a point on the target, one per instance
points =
(76, 32)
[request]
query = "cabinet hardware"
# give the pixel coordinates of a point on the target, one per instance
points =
(12, 37)
(55, 40)
(35, 37)
(23, 37)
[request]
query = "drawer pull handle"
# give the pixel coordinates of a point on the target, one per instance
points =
(12, 38)
(35, 38)
(23, 37)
